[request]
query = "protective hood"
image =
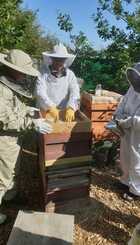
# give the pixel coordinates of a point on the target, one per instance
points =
(22, 90)
(133, 77)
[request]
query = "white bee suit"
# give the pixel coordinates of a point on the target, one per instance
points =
(128, 114)
(62, 92)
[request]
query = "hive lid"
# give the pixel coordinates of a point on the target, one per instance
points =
(106, 97)
(101, 99)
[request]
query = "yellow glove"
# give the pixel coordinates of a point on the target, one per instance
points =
(70, 115)
(54, 112)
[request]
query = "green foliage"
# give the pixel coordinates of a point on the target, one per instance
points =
(32, 39)
(125, 46)
(64, 22)
(79, 41)
(84, 65)
(105, 152)
(106, 67)
(19, 29)
(8, 32)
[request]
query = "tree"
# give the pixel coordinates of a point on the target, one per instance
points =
(20, 29)
(8, 32)
(32, 40)
(83, 65)
(81, 44)
(107, 66)
(89, 64)
(125, 47)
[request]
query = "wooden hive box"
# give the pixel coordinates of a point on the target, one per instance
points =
(100, 110)
(65, 159)
(68, 143)
(67, 184)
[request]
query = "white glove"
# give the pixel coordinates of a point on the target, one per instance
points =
(42, 126)
(112, 125)
(136, 123)
(31, 111)
(125, 123)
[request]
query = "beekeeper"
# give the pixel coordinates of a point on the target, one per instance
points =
(15, 69)
(128, 118)
(57, 88)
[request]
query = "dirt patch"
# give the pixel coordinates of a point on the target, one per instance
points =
(104, 218)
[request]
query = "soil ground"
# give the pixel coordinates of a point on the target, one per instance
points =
(104, 218)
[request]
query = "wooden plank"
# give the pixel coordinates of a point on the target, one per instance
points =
(87, 111)
(99, 115)
(36, 228)
(86, 97)
(70, 182)
(67, 194)
(67, 170)
(105, 93)
(68, 186)
(100, 132)
(104, 106)
(41, 162)
(68, 174)
(65, 137)
(68, 166)
(89, 103)
(68, 160)
(70, 149)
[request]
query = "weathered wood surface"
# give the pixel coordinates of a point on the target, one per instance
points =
(68, 166)
(71, 149)
(74, 160)
(67, 194)
(38, 228)
(68, 172)
(55, 138)
(63, 153)
(106, 96)
(99, 115)
(100, 110)
(70, 182)
(100, 132)
(99, 102)
(96, 108)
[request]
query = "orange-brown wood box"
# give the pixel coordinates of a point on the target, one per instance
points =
(99, 111)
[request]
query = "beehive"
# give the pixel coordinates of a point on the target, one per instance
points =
(65, 160)
(100, 110)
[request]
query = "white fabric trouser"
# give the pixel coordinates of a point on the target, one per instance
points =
(125, 158)
(130, 160)
(9, 163)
